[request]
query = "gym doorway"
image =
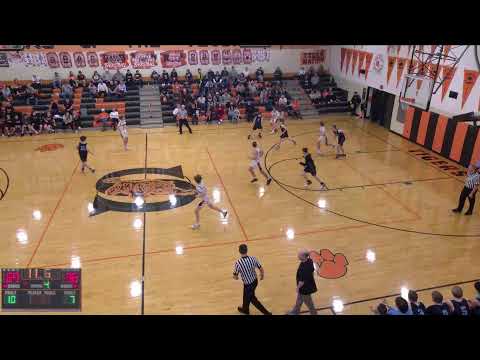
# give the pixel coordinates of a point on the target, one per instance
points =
(380, 106)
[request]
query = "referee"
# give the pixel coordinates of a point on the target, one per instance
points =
(470, 189)
(245, 266)
(181, 114)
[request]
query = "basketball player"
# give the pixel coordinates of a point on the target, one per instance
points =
(310, 168)
(255, 158)
(202, 193)
(275, 120)
(322, 138)
(257, 125)
(83, 152)
(340, 140)
(284, 136)
(122, 129)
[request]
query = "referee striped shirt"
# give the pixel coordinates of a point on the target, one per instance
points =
(472, 180)
(245, 266)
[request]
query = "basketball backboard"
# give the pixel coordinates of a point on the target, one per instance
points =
(416, 91)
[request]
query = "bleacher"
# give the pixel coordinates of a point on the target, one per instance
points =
(326, 82)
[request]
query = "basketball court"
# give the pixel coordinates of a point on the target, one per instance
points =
(387, 211)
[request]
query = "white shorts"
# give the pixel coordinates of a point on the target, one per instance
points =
(204, 201)
(123, 132)
(322, 139)
(254, 164)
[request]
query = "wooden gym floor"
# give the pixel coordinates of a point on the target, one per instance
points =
(384, 202)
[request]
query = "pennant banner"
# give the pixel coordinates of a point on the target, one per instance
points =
(391, 63)
(361, 60)
(469, 79)
(354, 61)
(446, 50)
(173, 58)
(448, 72)
(400, 66)
(342, 57)
(349, 57)
(368, 62)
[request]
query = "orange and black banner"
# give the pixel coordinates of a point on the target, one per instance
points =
(454, 140)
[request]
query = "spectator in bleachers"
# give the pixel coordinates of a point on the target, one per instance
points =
(315, 80)
(81, 79)
(68, 104)
(155, 77)
(103, 118)
(31, 94)
(246, 73)
(36, 82)
(438, 307)
(458, 305)
(102, 89)
(72, 79)
(259, 74)
(277, 75)
(92, 88)
(57, 81)
(120, 90)
(418, 308)
(129, 77)
(96, 78)
(53, 108)
(294, 109)
(67, 91)
(138, 78)
(233, 73)
(107, 77)
(118, 76)
(173, 75)
(6, 92)
(224, 73)
(188, 76)
(301, 75)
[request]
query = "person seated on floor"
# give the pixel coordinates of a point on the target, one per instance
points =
(102, 89)
(9, 125)
(29, 124)
(120, 90)
(81, 79)
(129, 77)
(96, 78)
(103, 118)
(138, 78)
(114, 118)
(458, 305)
(118, 76)
(155, 76)
(439, 307)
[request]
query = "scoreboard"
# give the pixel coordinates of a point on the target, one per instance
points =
(41, 289)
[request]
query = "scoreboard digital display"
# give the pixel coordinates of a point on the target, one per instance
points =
(41, 289)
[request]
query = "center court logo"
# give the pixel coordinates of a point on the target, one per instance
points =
(328, 265)
(161, 189)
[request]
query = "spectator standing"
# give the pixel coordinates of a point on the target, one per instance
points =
(72, 79)
(173, 75)
(233, 73)
(129, 77)
(120, 90)
(138, 78)
(418, 308)
(259, 74)
(224, 73)
(301, 75)
(245, 267)
(36, 82)
(107, 77)
(155, 76)
(96, 78)
(469, 189)
(199, 75)
(438, 307)
(92, 88)
(118, 76)
(188, 76)
(305, 284)
(81, 80)
(67, 91)
(459, 305)
(356, 100)
(315, 80)
(57, 81)
(31, 94)
(277, 75)
(102, 89)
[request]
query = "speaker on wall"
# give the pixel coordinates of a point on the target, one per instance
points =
(453, 94)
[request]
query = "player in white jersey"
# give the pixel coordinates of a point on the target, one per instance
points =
(275, 120)
(122, 129)
(255, 159)
(322, 139)
(202, 193)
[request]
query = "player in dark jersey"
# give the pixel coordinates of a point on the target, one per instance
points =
(418, 308)
(310, 168)
(438, 307)
(340, 135)
(284, 136)
(475, 303)
(257, 125)
(83, 153)
(459, 305)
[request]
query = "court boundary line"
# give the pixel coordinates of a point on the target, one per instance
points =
(44, 232)
(4, 192)
(144, 238)
(228, 196)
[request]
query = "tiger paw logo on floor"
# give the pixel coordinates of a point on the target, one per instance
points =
(49, 147)
(328, 265)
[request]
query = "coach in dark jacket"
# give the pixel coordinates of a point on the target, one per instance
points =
(305, 284)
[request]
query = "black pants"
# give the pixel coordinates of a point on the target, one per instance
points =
(354, 108)
(182, 122)
(249, 297)
(463, 196)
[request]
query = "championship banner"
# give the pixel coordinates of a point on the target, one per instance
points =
(79, 60)
(143, 59)
(400, 67)
(391, 63)
(65, 60)
(34, 59)
(354, 61)
(448, 72)
(349, 57)
(469, 79)
(204, 57)
(4, 60)
(114, 60)
(237, 56)
(342, 57)
(312, 57)
(14, 58)
(52, 60)
(247, 56)
(260, 55)
(368, 61)
(216, 57)
(92, 59)
(192, 57)
(226, 57)
(173, 58)
(361, 60)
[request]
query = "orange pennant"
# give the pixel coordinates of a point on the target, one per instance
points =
(409, 48)
(349, 57)
(400, 66)
(432, 48)
(342, 58)
(399, 47)
(391, 64)
(469, 79)
(446, 50)
(361, 60)
(368, 61)
(448, 72)
(354, 61)
(432, 70)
